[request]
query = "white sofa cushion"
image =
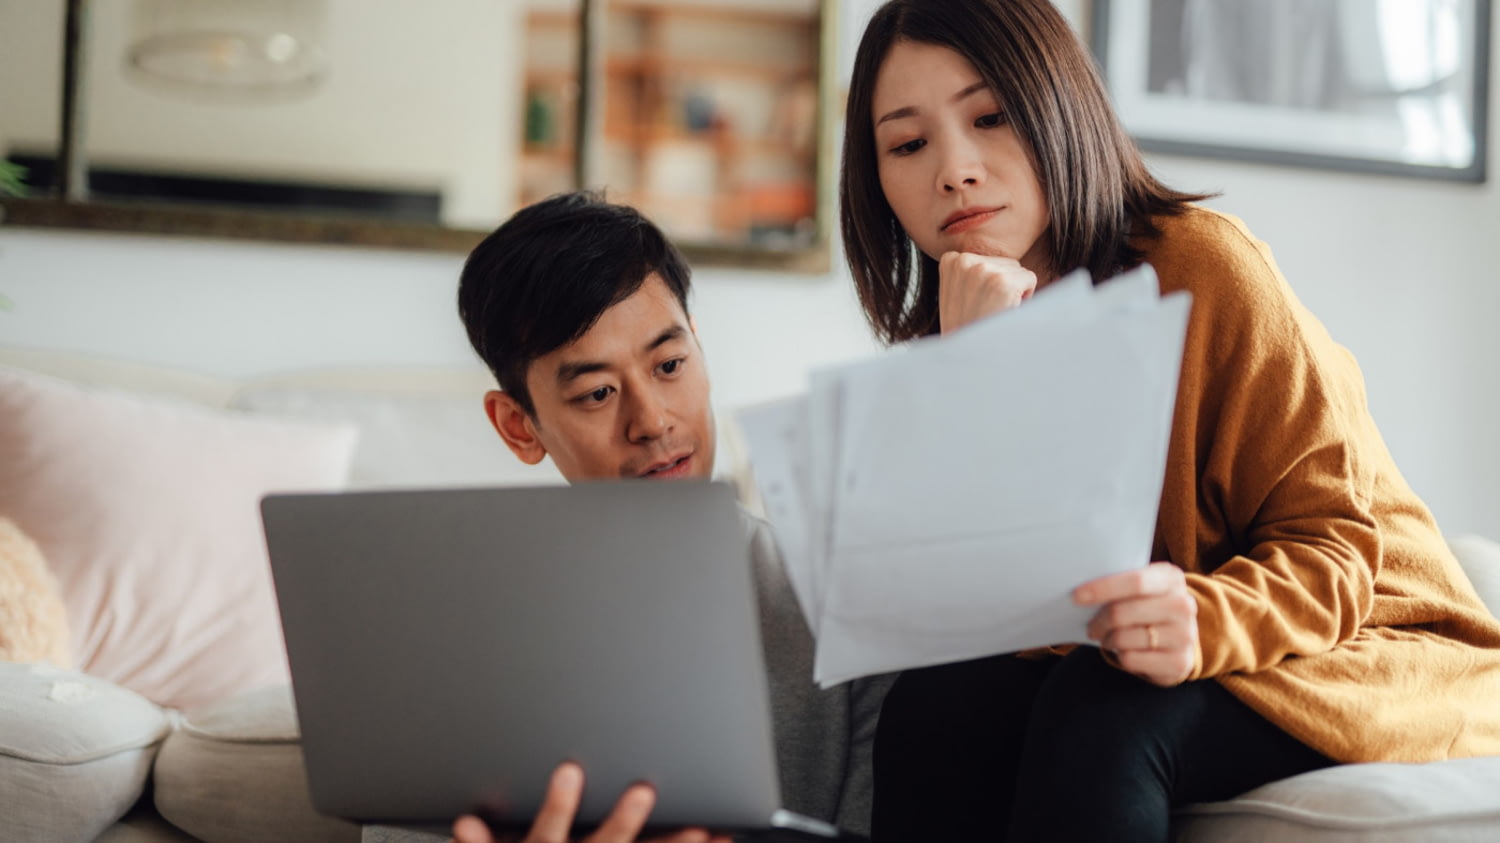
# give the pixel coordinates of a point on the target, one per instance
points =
(233, 773)
(147, 511)
(1455, 800)
(75, 752)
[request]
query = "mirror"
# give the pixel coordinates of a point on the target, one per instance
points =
(422, 125)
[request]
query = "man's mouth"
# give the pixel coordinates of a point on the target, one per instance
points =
(668, 469)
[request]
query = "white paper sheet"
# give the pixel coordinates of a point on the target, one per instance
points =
(942, 502)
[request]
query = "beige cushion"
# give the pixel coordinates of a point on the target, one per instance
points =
(33, 623)
(407, 439)
(75, 752)
(1455, 800)
(232, 773)
(1480, 559)
(148, 512)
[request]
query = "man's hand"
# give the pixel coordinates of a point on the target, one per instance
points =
(1148, 619)
(971, 287)
(554, 820)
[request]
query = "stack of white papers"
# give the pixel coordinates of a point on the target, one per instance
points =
(941, 502)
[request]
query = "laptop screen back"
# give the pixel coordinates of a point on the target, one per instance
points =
(449, 648)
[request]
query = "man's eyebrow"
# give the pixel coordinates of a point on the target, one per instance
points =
(573, 370)
(569, 372)
(911, 111)
(672, 333)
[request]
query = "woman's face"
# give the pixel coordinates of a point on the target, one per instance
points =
(954, 171)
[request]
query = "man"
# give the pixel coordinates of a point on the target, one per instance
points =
(579, 307)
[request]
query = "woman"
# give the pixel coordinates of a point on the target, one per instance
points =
(1304, 609)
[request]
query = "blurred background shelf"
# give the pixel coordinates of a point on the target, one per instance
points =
(709, 115)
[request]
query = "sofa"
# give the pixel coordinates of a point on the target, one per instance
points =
(128, 478)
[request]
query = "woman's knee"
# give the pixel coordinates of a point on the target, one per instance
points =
(961, 701)
(1094, 705)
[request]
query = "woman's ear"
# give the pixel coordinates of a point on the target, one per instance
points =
(515, 426)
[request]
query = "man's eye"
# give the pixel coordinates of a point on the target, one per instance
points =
(990, 121)
(597, 396)
(909, 147)
(671, 366)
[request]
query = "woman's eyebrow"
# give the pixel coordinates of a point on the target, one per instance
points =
(912, 111)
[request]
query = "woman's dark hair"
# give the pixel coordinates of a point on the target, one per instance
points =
(547, 274)
(1099, 192)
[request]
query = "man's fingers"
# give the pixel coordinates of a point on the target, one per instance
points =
(554, 820)
(470, 829)
(1156, 578)
(690, 835)
(628, 817)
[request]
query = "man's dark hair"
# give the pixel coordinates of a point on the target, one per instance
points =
(546, 275)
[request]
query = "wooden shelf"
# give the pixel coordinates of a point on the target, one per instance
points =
(674, 64)
(657, 64)
(661, 135)
(701, 11)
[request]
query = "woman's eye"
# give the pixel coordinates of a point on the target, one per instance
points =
(990, 121)
(909, 147)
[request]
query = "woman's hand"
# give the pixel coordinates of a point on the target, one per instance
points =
(1148, 619)
(554, 820)
(971, 287)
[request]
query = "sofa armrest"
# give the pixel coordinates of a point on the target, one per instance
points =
(1480, 559)
(75, 752)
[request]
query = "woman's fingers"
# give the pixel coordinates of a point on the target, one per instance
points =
(1148, 619)
(1172, 608)
(1156, 578)
(1159, 667)
(971, 287)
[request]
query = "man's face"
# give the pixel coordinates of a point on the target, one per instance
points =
(627, 399)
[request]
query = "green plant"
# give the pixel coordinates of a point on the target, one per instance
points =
(12, 179)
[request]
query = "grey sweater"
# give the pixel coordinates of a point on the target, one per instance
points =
(823, 738)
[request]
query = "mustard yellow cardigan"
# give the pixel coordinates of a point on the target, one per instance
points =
(1327, 599)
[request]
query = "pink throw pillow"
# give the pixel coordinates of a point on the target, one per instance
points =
(148, 512)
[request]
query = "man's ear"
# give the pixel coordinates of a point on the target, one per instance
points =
(515, 426)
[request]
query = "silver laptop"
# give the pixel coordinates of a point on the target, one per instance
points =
(449, 648)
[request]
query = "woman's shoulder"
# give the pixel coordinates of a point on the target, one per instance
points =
(1214, 256)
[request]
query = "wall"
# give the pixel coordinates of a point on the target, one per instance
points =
(414, 98)
(1401, 271)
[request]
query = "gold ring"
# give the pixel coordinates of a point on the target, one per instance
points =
(1150, 637)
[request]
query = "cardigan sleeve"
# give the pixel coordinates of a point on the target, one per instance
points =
(1275, 408)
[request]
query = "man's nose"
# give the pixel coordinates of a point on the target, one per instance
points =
(649, 418)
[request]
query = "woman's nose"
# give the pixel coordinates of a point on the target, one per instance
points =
(960, 166)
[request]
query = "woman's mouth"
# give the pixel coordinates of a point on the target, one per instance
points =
(968, 219)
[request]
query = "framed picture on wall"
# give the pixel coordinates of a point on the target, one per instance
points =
(1384, 86)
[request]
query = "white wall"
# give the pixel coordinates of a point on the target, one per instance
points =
(416, 96)
(1402, 271)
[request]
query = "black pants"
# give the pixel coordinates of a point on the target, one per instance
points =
(1006, 748)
